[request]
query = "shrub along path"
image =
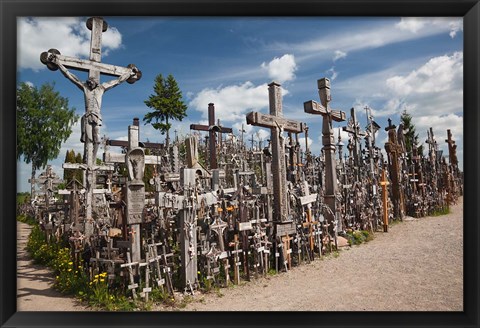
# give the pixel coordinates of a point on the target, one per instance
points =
(35, 283)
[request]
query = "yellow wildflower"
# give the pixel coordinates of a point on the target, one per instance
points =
(70, 263)
(102, 280)
(69, 269)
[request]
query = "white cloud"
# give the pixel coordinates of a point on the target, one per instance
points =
(333, 73)
(435, 88)
(455, 27)
(233, 102)
(438, 74)
(416, 24)
(281, 69)
(301, 141)
(371, 36)
(412, 24)
(338, 54)
(67, 34)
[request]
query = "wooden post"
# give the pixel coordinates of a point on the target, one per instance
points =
(212, 138)
(329, 115)
(384, 183)
(93, 92)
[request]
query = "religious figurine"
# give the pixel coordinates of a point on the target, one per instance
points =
(93, 92)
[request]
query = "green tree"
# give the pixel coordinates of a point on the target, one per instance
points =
(167, 105)
(79, 173)
(411, 137)
(70, 175)
(148, 174)
(44, 122)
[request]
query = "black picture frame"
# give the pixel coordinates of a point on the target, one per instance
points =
(10, 10)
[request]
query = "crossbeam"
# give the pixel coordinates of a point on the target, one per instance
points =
(270, 121)
(212, 129)
(88, 65)
(313, 107)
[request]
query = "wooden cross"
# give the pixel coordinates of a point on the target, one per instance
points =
(277, 124)
(48, 180)
(353, 129)
(236, 260)
(393, 150)
(287, 251)
(129, 266)
(329, 115)
(93, 92)
(111, 158)
(384, 183)
(452, 149)
(212, 128)
(218, 226)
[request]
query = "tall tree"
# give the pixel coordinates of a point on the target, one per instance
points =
(69, 175)
(411, 137)
(44, 122)
(167, 105)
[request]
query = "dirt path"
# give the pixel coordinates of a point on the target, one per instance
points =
(416, 266)
(34, 283)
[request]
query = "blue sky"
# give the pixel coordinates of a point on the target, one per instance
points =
(389, 64)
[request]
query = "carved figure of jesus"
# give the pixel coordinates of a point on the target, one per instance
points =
(93, 93)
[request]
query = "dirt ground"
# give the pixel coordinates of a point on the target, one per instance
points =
(34, 282)
(416, 266)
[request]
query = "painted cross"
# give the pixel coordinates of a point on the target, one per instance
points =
(277, 124)
(329, 115)
(93, 92)
(212, 129)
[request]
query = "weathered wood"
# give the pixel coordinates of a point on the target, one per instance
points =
(270, 121)
(328, 142)
(212, 128)
(277, 124)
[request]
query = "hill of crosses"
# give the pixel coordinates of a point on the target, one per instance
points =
(221, 212)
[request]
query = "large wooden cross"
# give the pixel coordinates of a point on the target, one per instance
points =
(93, 92)
(277, 124)
(329, 115)
(212, 128)
(353, 129)
(393, 150)
(452, 150)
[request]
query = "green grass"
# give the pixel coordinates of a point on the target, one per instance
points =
(26, 219)
(358, 237)
(441, 211)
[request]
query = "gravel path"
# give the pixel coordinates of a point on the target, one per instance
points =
(35, 283)
(416, 266)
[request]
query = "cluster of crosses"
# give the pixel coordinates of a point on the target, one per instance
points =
(242, 211)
